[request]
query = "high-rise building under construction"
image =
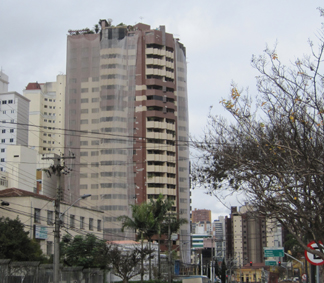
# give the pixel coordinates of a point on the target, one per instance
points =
(127, 121)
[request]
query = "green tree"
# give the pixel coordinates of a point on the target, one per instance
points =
(86, 251)
(272, 149)
(149, 219)
(160, 208)
(293, 247)
(144, 224)
(15, 243)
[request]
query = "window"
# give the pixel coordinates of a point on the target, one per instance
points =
(12, 111)
(81, 222)
(49, 248)
(72, 222)
(11, 140)
(99, 225)
(4, 101)
(2, 150)
(2, 160)
(49, 217)
(12, 130)
(90, 223)
(4, 112)
(3, 131)
(37, 215)
(10, 101)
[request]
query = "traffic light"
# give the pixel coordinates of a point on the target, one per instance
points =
(250, 263)
(279, 263)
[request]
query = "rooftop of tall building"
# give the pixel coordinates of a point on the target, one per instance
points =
(32, 86)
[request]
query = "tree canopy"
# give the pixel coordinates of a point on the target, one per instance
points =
(152, 218)
(15, 243)
(273, 148)
(86, 251)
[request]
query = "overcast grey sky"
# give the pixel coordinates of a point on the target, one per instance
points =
(220, 37)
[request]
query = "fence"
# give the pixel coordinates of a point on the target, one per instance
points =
(33, 272)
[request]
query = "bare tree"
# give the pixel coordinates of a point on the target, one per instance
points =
(273, 149)
(127, 263)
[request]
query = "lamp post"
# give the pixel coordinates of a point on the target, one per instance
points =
(58, 217)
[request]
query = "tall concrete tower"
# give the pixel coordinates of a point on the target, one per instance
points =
(127, 121)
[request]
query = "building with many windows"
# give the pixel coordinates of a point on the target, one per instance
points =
(127, 121)
(13, 123)
(248, 233)
(46, 115)
(201, 215)
(220, 236)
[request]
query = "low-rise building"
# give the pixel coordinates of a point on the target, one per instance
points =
(37, 213)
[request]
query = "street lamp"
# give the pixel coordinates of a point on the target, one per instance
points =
(82, 197)
(56, 259)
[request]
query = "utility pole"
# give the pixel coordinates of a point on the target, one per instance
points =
(57, 169)
(169, 261)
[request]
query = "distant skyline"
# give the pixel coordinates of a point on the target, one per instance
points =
(220, 38)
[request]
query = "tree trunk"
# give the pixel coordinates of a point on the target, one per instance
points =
(159, 255)
(142, 259)
(150, 262)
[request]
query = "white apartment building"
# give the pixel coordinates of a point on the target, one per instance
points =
(14, 110)
(46, 115)
(4, 82)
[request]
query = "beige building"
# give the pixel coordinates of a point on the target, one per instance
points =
(250, 234)
(37, 213)
(46, 115)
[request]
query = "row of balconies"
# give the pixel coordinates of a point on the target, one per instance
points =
(160, 125)
(162, 180)
(164, 191)
(163, 136)
(161, 52)
(159, 62)
(162, 169)
(160, 157)
(158, 72)
(163, 147)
